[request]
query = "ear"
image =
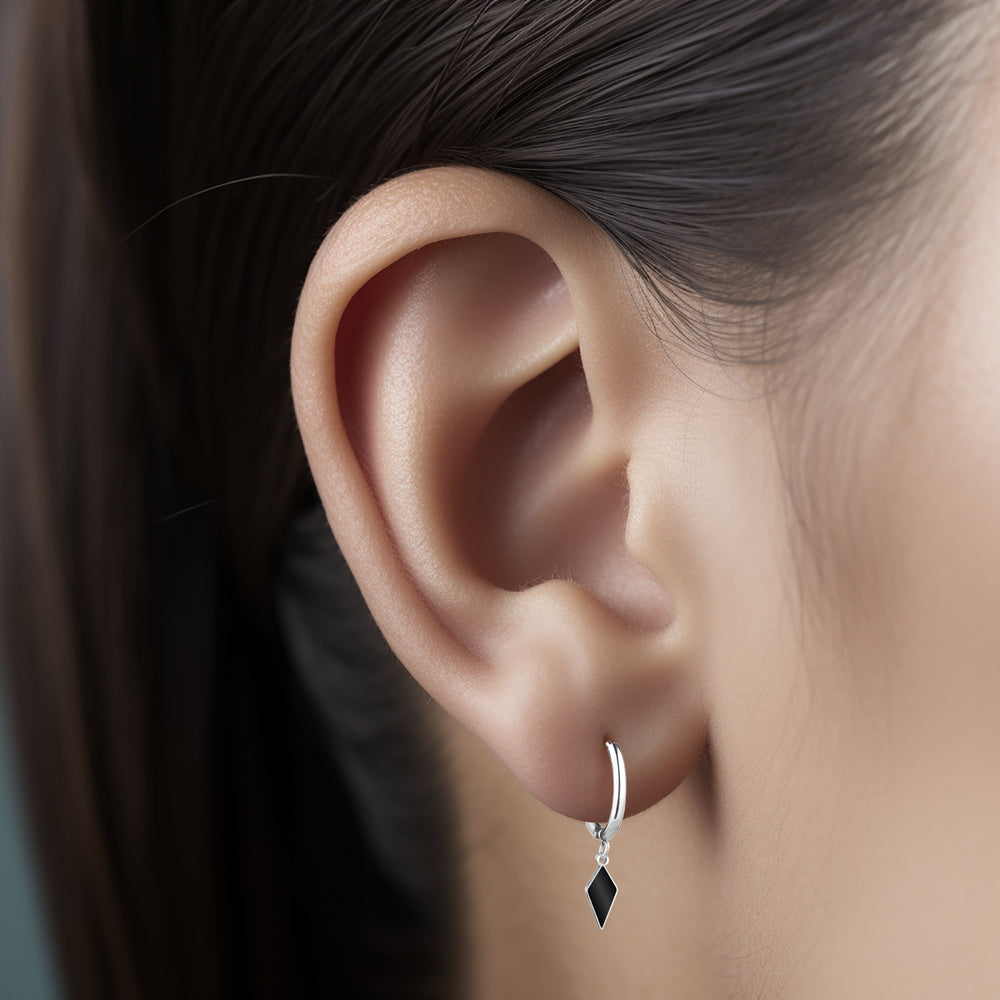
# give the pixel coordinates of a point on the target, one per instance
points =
(469, 374)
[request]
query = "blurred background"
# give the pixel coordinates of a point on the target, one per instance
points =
(25, 969)
(25, 972)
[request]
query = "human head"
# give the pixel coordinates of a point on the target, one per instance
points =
(697, 192)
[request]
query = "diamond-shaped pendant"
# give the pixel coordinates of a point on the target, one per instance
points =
(601, 891)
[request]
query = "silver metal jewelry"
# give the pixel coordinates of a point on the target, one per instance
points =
(601, 889)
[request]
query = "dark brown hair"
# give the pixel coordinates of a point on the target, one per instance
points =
(194, 677)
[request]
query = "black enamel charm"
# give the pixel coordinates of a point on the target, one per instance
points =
(601, 891)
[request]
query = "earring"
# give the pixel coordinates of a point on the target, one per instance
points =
(601, 889)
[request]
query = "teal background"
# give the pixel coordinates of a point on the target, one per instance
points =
(25, 968)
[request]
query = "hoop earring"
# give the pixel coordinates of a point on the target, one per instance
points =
(601, 889)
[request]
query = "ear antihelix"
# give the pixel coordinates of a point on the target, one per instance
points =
(468, 320)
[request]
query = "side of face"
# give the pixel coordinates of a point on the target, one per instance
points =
(570, 530)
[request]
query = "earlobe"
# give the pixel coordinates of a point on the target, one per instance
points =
(452, 389)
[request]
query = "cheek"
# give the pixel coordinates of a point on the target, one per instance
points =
(947, 525)
(841, 745)
(943, 526)
(905, 740)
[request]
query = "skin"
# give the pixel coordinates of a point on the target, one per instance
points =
(814, 796)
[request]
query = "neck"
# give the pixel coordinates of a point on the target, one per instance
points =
(912, 920)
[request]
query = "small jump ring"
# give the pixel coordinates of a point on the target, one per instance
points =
(609, 829)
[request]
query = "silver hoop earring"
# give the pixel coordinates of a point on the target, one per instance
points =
(601, 889)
